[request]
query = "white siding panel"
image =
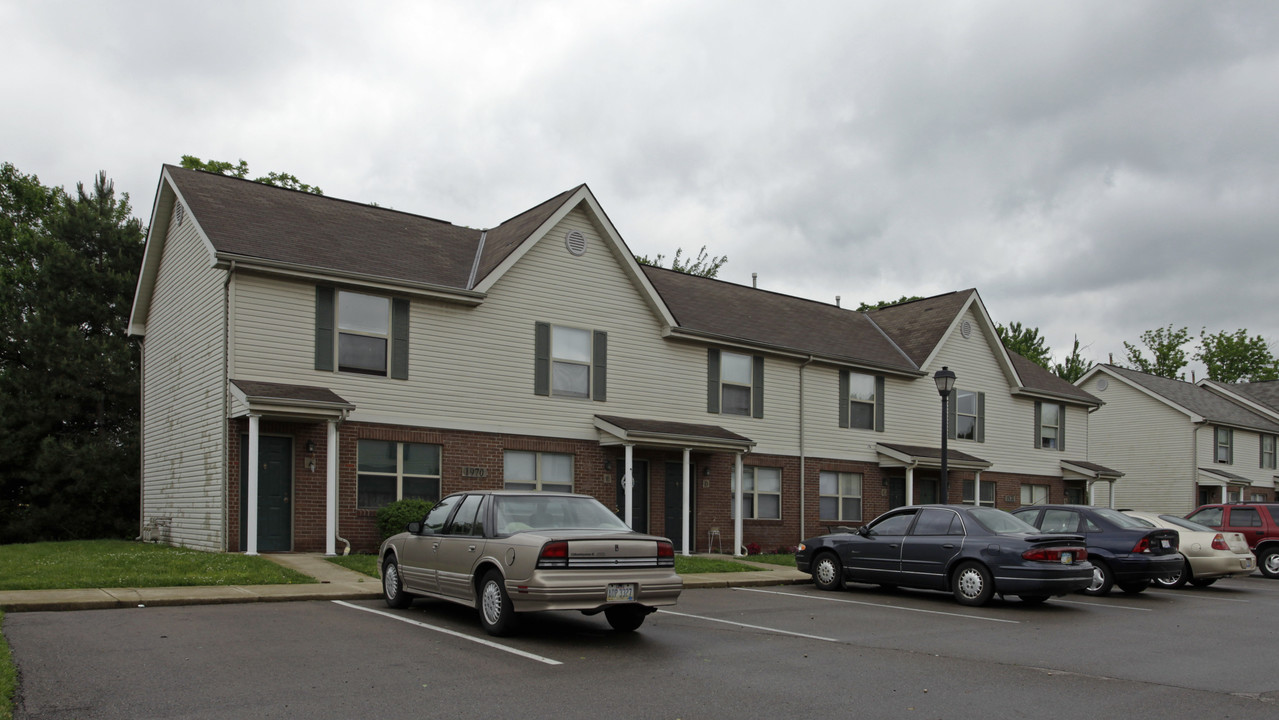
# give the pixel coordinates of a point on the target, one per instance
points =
(183, 462)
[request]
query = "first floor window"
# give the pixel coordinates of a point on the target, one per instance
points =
(388, 471)
(987, 496)
(841, 496)
(1257, 497)
(540, 471)
(1034, 494)
(761, 493)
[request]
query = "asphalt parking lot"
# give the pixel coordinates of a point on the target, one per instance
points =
(749, 652)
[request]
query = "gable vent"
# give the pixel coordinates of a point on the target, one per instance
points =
(576, 243)
(966, 329)
(179, 214)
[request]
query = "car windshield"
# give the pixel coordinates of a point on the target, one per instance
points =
(1122, 520)
(1185, 524)
(520, 513)
(1000, 522)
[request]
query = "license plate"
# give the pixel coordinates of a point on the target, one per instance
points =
(620, 593)
(1067, 558)
(1165, 544)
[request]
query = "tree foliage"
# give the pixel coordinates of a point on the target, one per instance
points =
(885, 303)
(1235, 357)
(704, 265)
(222, 167)
(69, 403)
(1168, 354)
(1073, 367)
(1027, 342)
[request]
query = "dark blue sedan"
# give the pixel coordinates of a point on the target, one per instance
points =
(973, 552)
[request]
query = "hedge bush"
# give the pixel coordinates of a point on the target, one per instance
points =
(393, 517)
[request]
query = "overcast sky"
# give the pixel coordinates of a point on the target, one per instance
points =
(1093, 168)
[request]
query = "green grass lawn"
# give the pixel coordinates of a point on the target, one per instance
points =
(8, 676)
(367, 564)
(786, 559)
(122, 563)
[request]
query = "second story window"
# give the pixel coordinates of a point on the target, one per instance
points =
(1268, 452)
(364, 327)
(1050, 426)
(734, 383)
(570, 362)
(1225, 453)
(967, 411)
(861, 401)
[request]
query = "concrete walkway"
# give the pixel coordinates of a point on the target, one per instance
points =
(334, 583)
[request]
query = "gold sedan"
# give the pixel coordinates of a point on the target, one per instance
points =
(1210, 554)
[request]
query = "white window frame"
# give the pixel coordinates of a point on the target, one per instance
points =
(340, 330)
(1053, 443)
(751, 495)
(839, 497)
(968, 493)
(589, 363)
(749, 384)
(539, 482)
(1268, 451)
(975, 414)
(853, 401)
(1226, 447)
(1035, 494)
(399, 473)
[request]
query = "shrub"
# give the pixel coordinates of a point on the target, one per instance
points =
(753, 549)
(393, 517)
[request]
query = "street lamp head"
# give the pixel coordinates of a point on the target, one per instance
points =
(945, 379)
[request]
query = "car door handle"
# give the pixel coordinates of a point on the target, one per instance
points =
(949, 546)
(435, 546)
(470, 548)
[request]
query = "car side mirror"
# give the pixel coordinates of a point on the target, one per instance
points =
(414, 528)
(864, 531)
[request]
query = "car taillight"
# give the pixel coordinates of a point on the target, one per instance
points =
(1142, 546)
(1219, 542)
(665, 554)
(1054, 554)
(554, 555)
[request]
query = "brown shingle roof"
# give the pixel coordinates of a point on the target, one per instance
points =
(666, 427)
(1200, 401)
(502, 240)
(1034, 377)
(919, 325)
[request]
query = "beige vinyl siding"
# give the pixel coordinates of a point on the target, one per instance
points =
(1147, 440)
(472, 368)
(1247, 453)
(183, 464)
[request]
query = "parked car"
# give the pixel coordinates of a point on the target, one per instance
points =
(1257, 522)
(506, 553)
(1123, 551)
(1209, 554)
(973, 552)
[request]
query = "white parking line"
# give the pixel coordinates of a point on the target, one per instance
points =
(878, 605)
(753, 627)
(1103, 605)
(463, 636)
(1195, 596)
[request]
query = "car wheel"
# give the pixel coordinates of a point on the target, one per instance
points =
(1268, 563)
(497, 615)
(626, 618)
(1133, 588)
(393, 586)
(828, 572)
(1178, 580)
(972, 584)
(1202, 582)
(1101, 579)
(1033, 599)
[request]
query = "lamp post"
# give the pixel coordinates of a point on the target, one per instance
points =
(945, 379)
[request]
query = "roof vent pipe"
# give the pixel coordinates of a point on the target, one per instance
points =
(754, 277)
(837, 301)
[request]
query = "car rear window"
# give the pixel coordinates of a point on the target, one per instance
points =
(520, 513)
(1184, 523)
(1000, 522)
(1122, 520)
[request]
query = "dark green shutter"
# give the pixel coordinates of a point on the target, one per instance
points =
(981, 417)
(542, 358)
(1230, 447)
(325, 311)
(844, 420)
(879, 403)
(1061, 427)
(599, 367)
(757, 387)
(1039, 424)
(400, 338)
(952, 415)
(712, 380)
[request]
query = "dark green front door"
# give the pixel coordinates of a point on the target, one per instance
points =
(275, 490)
(675, 505)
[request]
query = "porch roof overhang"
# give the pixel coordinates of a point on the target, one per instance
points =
(614, 430)
(1223, 477)
(920, 456)
(1091, 471)
(294, 402)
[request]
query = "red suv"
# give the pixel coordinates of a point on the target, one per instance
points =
(1257, 522)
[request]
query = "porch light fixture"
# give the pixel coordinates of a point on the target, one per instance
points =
(310, 446)
(945, 379)
(608, 464)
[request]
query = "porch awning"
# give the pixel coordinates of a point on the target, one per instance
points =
(616, 430)
(305, 402)
(1092, 471)
(1224, 477)
(927, 457)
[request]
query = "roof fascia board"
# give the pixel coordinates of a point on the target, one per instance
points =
(988, 332)
(1050, 395)
(270, 267)
(702, 336)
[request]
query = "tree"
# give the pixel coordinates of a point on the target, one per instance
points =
(1027, 342)
(1235, 357)
(69, 405)
(885, 303)
(1073, 367)
(222, 167)
(704, 266)
(1167, 355)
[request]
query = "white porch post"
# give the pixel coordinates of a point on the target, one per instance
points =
(331, 491)
(737, 505)
(910, 485)
(684, 513)
(628, 481)
(1111, 490)
(250, 504)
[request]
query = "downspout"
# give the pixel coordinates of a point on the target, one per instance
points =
(226, 407)
(142, 436)
(337, 516)
(803, 495)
